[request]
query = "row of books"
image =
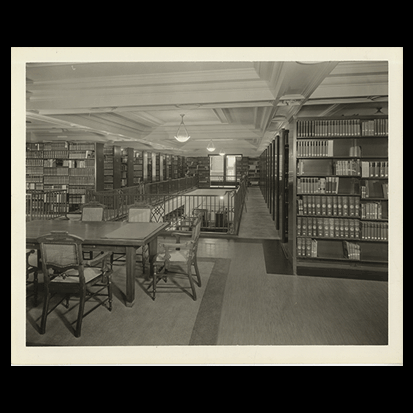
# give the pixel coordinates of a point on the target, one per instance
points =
(61, 154)
(315, 148)
(81, 146)
(55, 145)
(76, 190)
(349, 167)
(90, 171)
(328, 227)
(34, 185)
(82, 180)
(375, 169)
(327, 185)
(34, 170)
(56, 171)
(34, 178)
(376, 127)
(375, 231)
(77, 199)
(81, 154)
(345, 206)
(34, 154)
(374, 189)
(319, 128)
(307, 247)
(56, 179)
(34, 162)
(373, 210)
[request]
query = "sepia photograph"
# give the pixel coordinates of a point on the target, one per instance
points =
(207, 206)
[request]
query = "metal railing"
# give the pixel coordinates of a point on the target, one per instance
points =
(46, 204)
(170, 202)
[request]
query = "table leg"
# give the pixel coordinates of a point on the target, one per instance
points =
(153, 250)
(130, 275)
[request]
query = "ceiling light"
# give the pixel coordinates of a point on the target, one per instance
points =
(211, 147)
(182, 134)
(221, 152)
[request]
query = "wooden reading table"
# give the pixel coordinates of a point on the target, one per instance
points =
(121, 237)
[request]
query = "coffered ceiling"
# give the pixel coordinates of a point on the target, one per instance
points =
(240, 106)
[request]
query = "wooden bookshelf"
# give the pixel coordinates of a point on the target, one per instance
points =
(338, 212)
(73, 166)
(254, 171)
(112, 167)
(137, 167)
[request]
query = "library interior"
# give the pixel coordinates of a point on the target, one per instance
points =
(207, 203)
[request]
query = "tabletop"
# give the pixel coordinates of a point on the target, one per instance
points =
(101, 232)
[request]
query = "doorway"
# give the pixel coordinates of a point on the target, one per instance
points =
(223, 170)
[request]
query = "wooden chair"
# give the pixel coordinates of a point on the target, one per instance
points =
(140, 212)
(91, 212)
(66, 272)
(179, 254)
(31, 268)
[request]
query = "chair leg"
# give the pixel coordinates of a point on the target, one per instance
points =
(109, 281)
(80, 313)
(191, 281)
(198, 275)
(45, 311)
(35, 287)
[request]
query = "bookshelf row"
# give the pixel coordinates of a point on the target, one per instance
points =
(81, 165)
(342, 127)
(338, 208)
(341, 228)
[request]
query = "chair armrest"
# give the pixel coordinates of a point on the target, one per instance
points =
(103, 258)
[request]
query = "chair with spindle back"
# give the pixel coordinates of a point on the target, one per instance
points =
(176, 255)
(65, 272)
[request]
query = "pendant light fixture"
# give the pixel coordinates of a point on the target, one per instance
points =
(182, 134)
(211, 147)
(221, 152)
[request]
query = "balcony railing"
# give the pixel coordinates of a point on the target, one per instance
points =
(46, 204)
(170, 202)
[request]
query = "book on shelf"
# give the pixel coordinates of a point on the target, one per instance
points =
(375, 127)
(306, 247)
(374, 189)
(323, 128)
(374, 169)
(374, 210)
(328, 227)
(349, 167)
(341, 205)
(351, 250)
(315, 148)
(374, 231)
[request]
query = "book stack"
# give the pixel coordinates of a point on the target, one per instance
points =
(328, 227)
(306, 247)
(345, 206)
(327, 185)
(376, 127)
(371, 210)
(374, 189)
(351, 250)
(52, 154)
(315, 148)
(320, 128)
(349, 167)
(375, 231)
(375, 169)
